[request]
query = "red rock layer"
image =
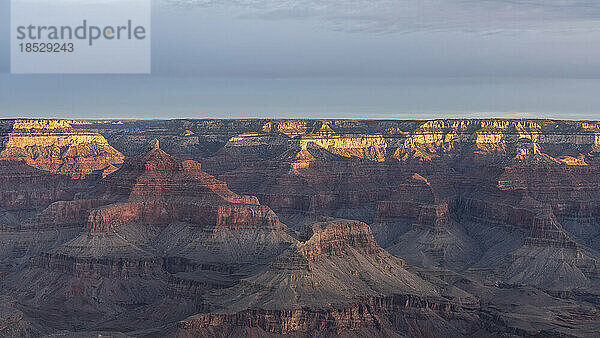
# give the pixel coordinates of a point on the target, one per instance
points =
(62, 214)
(158, 212)
(374, 313)
(238, 217)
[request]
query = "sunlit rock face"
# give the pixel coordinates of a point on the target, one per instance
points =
(55, 146)
(331, 238)
(300, 227)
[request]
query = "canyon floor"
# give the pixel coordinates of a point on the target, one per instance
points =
(301, 228)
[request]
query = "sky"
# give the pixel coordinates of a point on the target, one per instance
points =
(339, 59)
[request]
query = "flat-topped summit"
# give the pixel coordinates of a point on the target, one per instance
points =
(332, 237)
(57, 147)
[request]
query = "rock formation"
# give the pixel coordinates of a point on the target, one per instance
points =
(300, 227)
(339, 280)
(137, 222)
(57, 147)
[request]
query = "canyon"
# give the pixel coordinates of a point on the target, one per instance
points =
(302, 228)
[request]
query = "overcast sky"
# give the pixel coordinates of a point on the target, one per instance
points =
(340, 58)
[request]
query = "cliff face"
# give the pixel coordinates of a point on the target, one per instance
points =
(418, 316)
(332, 238)
(375, 140)
(55, 146)
(303, 227)
(513, 138)
(558, 141)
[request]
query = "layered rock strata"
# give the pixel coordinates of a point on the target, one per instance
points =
(137, 221)
(473, 221)
(55, 146)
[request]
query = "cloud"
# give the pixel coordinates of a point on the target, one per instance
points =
(422, 15)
